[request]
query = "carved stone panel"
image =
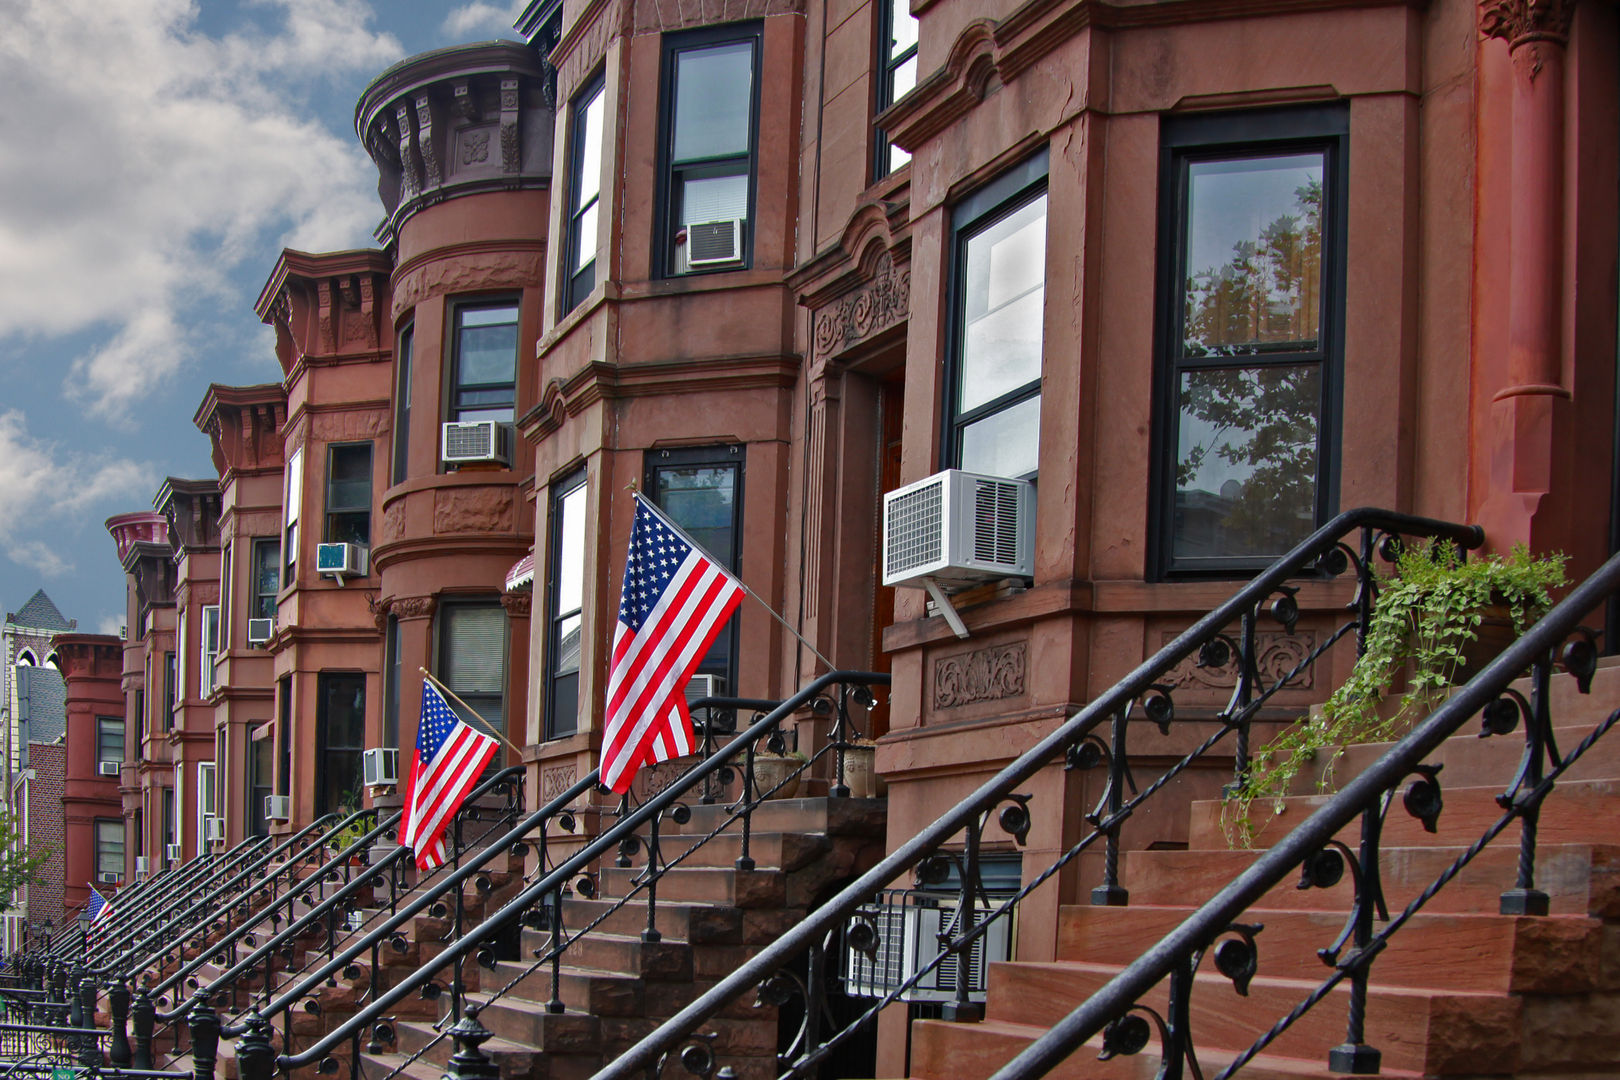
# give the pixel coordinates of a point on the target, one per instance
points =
(473, 510)
(984, 675)
(883, 302)
(555, 780)
(1279, 653)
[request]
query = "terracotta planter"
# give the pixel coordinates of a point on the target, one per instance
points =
(860, 773)
(771, 772)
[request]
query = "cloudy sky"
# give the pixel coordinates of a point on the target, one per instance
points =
(155, 157)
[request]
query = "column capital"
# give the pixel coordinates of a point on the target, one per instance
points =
(1521, 21)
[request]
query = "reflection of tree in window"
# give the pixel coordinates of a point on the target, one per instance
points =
(348, 494)
(341, 735)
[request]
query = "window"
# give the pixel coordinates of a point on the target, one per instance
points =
(711, 91)
(225, 596)
(109, 847)
(584, 193)
(701, 489)
(402, 403)
(171, 683)
(295, 498)
(348, 493)
(484, 365)
(897, 74)
(179, 662)
(205, 801)
(208, 649)
(566, 604)
(140, 718)
(340, 740)
(393, 668)
(1250, 306)
(109, 739)
(994, 388)
(472, 660)
(266, 578)
(169, 837)
(261, 782)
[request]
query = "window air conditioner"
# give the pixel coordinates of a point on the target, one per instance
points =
(213, 828)
(260, 631)
(107, 768)
(958, 528)
(140, 866)
(380, 767)
(342, 560)
(172, 852)
(475, 440)
(713, 243)
(277, 807)
(108, 877)
(704, 686)
(908, 926)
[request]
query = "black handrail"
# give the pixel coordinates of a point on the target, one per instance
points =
(834, 913)
(571, 867)
(320, 912)
(1215, 917)
(192, 877)
(206, 905)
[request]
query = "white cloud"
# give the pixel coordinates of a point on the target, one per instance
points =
(41, 484)
(155, 160)
(110, 624)
(467, 22)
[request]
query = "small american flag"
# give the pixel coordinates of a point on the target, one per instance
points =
(450, 754)
(674, 602)
(98, 906)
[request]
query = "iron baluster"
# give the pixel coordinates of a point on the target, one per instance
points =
(204, 1024)
(1110, 893)
(255, 1056)
(745, 861)
(118, 1052)
(1524, 898)
(1355, 1055)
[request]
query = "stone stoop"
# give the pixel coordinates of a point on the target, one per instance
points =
(1460, 991)
(616, 987)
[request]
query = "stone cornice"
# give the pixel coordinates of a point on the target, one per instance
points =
(602, 380)
(988, 52)
(328, 306)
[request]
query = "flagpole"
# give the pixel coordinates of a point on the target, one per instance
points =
(684, 535)
(428, 675)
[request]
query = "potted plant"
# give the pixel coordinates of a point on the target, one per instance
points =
(1436, 621)
(860, 772)
(777, 775)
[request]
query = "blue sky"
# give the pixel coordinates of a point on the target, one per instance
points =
(155, 157)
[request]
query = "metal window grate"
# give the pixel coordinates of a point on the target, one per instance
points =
(915, 537)
(469, 441)
(995, 522)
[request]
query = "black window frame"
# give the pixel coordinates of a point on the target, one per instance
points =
(1004, 196)
(454, 387)
(577, 284)
(262, 604)
(888, 64)
(667, 215)
(1257, 133)
(727, 455)
(328, 797)
(356, 514)
(404, 354)
(562, 718)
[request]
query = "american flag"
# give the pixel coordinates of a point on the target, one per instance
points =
(450, 754)
(98, 906)
(674, 602)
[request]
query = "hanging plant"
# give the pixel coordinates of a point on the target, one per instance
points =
(1423, 623)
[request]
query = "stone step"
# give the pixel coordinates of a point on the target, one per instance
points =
(1581, 879)
(529, 1023)
(1435, 1032)
(941, 1050)
(825, 815)
(703, 885)
(1470, 760)
(668, 959)
(1501, 953)
(1577, 812)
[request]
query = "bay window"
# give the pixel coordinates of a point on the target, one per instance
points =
(584, 193)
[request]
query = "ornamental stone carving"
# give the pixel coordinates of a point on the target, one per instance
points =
(985, 675)
(473, 510)
(393, 521)
(883, 302)
(475, 147)
(1518, 21)
(517, 604)
(555, 780)
(379, 611)
(1279, 654)
(413, 607)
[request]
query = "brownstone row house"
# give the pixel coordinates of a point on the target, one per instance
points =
(1200, 274)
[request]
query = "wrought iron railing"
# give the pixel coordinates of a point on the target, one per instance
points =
(1116, 1011)
(950, 847)
(539, 903)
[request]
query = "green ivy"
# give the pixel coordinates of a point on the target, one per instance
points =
(1425, 616)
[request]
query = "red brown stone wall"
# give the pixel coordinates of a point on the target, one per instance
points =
(46, 827)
